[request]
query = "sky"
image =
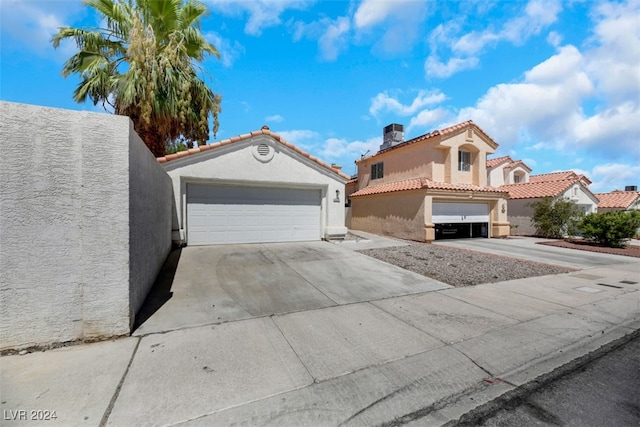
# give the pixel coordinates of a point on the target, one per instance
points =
(555, 83)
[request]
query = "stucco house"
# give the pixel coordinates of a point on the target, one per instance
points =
(619, 200)
(505, 170)
(430, 187)
(254, 188)
(564, 184)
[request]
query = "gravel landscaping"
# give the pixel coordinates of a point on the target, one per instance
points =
(460, 267)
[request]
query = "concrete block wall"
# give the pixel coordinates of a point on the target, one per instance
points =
(68, 216)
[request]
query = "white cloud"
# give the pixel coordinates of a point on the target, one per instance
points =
(426, 118)
(615, 61)
(383, 102)
(554, 39)
(372, 12)
(335, 148)
(304, 139)
(274, 118)
(539, 14)
(546, 105)
(433, 67)
(618, 125)
(31, 25)
(262, 13)
(333, 41)
(611, 176)
(465, 50)
(394, 26)
(229, 51)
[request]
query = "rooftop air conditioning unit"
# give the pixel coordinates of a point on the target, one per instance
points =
(392, 135)
(631, 188)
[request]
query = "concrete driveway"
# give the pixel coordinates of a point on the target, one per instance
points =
(216, 284)
(529, 249)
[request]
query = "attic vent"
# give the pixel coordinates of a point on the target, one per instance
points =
(470, 133)
(263, 149)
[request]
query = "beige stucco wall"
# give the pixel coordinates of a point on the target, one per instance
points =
(435, 158)
(400, 214)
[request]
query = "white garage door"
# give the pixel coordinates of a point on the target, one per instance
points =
(453, 212)
(229, 214)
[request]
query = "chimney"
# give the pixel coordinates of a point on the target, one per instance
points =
(392, 135)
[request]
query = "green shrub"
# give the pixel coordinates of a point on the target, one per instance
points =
(611, 228)
(556, 218)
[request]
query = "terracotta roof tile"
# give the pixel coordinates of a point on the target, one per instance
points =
(421, 184)
(435, 133)
(530, 190)
(491, 163)
(617, 199)
(409, 184)
(264, 131)
(553, 176)
(518, 163)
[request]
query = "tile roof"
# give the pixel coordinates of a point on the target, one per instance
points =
(442, 132)
(518, 163)
(264, 131)
(558, 176)
(530, 190)
(492, 163)
(617, 199)
(421, 184)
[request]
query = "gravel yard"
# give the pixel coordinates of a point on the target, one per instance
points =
(460, 267)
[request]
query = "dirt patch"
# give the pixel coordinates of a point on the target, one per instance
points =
(629, 250)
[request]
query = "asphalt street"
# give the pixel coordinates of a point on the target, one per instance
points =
(603, 392)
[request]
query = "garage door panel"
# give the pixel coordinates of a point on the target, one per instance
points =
(226, 214)
(456, 212)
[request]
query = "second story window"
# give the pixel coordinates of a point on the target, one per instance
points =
(377, 170)
(464, 161)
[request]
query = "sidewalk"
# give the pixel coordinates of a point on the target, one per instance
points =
(421, 359)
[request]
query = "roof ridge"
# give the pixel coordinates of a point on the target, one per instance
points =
(264, 131)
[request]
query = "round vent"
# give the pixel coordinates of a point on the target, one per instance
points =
(263, 152)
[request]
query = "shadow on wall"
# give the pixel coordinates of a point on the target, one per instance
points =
(161, 291)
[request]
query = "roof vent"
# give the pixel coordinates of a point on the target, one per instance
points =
(392, 135)
(263, 149)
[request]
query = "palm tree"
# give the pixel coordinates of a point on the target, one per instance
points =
(144, 64)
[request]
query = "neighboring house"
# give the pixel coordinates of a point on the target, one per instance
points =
(255, 188)
(619, 200)
(430, 187)
(565, 184)
(504, 170)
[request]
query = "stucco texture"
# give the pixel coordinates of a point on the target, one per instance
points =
(66, 224)
(399, 214)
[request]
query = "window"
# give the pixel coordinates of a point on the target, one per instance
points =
(464, 161)
(377, 170)
(516, 179)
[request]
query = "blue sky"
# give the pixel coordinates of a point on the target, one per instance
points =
(555, 83)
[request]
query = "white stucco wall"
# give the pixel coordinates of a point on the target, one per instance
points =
(150, 220)
(236, 163)
(65, 225)
(581, 197)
